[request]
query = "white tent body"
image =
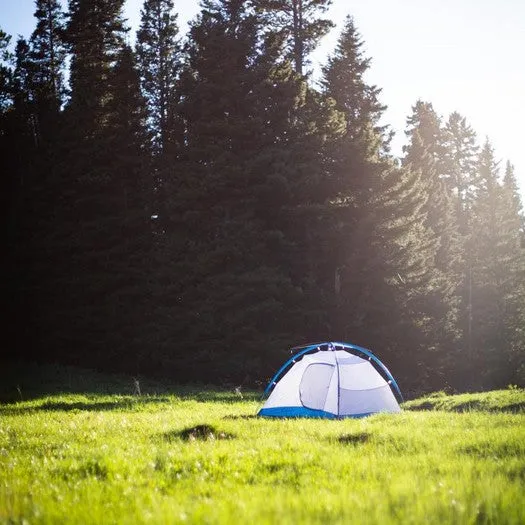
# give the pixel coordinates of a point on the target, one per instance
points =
(330, 384)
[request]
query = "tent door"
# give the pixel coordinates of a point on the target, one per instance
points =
(314, 385)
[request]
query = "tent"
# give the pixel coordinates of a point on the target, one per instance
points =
(331, 380)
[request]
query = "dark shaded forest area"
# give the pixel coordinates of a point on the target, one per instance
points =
(195, 204)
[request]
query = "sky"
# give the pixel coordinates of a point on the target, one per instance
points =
(460, 55)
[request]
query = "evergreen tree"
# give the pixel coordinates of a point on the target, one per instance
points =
(424, 153)
(5, 70)
(23, 120)
(284, 218)
(485, 306)
(126, 249)
(48, 55)
(95, 34)
(127, 117)
(19, 141)
(343, 80)
(460, 157)
(6, 98)
(244, 190)
(460, 162)
(299, 24)
(8, 163)
(96, 196)
(6, 180)
(159, 58)
(512, 193)
(497, 276)
(513, 255)
(426, 123)
(22, 82)
(385, 249)
(46, 60)
(126, 139)
(219, 243)
(33, 123)
(389, 278)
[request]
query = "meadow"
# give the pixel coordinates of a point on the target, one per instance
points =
(96, 453)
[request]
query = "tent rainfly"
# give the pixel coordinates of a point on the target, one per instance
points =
(331, 380)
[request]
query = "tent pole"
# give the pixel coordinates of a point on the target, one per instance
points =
(338, 381)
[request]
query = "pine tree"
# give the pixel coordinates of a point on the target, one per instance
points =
(513, 257)
(46, 63)
(388, 277)
(19, 143)
(244, 192)
(485, 279)
(94, 236)
(386, 252)
(48, 54)
(33, 123)
(8, 143)
(23, 80)
(299, 24)
(219, 242)
(424, 153)
(6, 101)
(426, 123)
(497, 276)
(95, 34)
(127, 107)
(23, 120)
(511, 190)
(126, 249)
(37, 88)
(7, 167)
(460, 165)
(159, 59)
(5, 70)
(127, 141)
(343, 80)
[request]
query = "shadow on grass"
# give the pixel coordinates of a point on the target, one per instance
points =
(426, 406)
(84, 406)
(477, 406)
(468, 406)
(198, 433)
(127, 403)
(236, 417)
(32, 382)
(354, 439)
(214, 394)
(515, 408)
(494, 450)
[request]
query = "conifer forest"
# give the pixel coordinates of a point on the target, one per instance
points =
(191, 205)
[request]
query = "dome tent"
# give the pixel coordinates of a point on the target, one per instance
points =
(331, 380)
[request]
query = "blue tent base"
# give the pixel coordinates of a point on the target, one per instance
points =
(294, 412)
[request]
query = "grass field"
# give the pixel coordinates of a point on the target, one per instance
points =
(202, 457)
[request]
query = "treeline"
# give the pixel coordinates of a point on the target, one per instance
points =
(195, 204)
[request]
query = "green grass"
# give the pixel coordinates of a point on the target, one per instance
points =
(202, 457)
(511, 400)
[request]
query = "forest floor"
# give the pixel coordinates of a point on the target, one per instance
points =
(90, 454)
